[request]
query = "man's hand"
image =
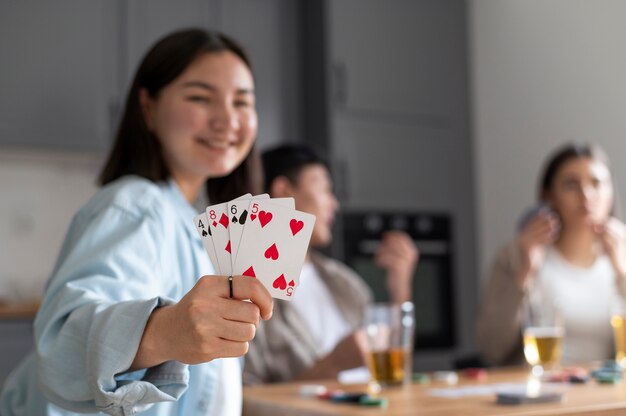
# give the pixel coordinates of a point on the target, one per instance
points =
(398, 255)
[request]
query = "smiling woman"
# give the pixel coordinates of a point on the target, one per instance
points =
(191, 115)
(205, 120)
(132, 300)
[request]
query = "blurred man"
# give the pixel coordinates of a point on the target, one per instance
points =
(316, 335)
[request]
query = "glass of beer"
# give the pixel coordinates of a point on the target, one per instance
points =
(543, 337)
(618, 322)
(390, 330)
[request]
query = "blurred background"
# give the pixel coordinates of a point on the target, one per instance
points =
(436, 115)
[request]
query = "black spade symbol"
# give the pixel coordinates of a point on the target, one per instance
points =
(204, 233)
(244, 216)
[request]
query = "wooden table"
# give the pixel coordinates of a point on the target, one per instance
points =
(582, 399)
(21, 311)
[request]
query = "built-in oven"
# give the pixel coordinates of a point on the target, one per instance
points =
(432, 284)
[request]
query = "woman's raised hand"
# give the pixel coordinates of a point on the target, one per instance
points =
(613, 237)
(541, 230)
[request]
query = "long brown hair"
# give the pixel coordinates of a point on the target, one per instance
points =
(136, 150)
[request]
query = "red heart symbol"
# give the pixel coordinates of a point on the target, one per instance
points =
(252, 217)
(224, 220)
(292, 283)
(271, 252)
(280, 283)
(264, 218)
(249, 272)
(228, 246)
(295, 226)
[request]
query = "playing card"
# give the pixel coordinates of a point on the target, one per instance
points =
(217, 221)
(202, 225)
(239, 215)
(273, 246)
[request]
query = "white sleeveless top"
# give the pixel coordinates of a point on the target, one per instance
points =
(316, 306)
(584, 298)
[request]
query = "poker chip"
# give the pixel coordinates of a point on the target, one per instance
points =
(312, 390)
(421, 378)
(328, 394)
(348, 397)
(578, 379)
(373, 401)
(575, 375)
(449, 377)
(608, 378)
(479, 374)
(340, 396)
(610, 373)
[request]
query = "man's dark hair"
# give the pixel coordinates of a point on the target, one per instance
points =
(288, 160)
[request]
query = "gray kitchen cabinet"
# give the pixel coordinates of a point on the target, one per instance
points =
(148, 20)
(57, 73)
(400, 166)
(16, 341)
(268, 30)
(67, 65)
(398, 100)
(389, 58)
(398, 110)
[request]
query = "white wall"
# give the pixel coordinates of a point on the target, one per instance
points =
(39, 192)
(542, 72)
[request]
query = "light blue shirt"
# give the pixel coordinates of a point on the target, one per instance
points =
(130, 249)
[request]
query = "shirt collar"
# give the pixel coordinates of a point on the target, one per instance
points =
(184, 210)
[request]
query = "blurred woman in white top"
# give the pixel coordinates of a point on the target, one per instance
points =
(571, 252)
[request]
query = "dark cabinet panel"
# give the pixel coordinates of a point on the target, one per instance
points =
(16, 341)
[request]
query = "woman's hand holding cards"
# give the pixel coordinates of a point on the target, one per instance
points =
(206, 324)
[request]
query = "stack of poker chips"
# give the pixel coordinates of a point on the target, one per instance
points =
(610, 373)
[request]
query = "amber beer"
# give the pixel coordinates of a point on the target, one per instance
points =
(543, 345)
(388, 367)
(390, 332)
(618, 322)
